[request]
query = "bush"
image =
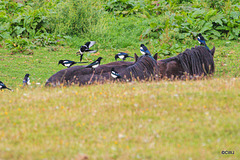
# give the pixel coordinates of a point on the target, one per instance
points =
(74, 17)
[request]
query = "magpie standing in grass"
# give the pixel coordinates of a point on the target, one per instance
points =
(122, 56)
(94, 64)
(144, 50)
(85, 48)
(26, 80)
(115, 74)
(68, 63)
(3, 86)
(201, 40)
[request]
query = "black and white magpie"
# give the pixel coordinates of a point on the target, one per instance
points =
(202, 41)
(3, 86)
(26, 80)
(85, 48)
(144, 50)
(68, 63)
(115, 74)
(122, 56)
(94, 64)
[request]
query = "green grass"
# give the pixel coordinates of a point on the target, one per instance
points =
(43, 63)
(147, 120)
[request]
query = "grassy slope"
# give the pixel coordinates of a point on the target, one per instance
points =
(168, 120)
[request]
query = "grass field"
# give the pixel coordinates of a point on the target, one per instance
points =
(138, 120)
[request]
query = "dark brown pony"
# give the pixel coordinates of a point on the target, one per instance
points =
(192, 62)
(78, 75)
(143, 68)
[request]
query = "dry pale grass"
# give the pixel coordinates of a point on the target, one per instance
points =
(154, 120)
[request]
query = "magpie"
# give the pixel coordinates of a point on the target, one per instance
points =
(201, 40)
(94, 64)
(114, 74)
(144, 50)
(68, 63)
(3, 86)
(122, 56)
(85, 48)
(26, 80)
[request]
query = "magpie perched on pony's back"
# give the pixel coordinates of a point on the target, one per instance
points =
(115, 74)
(85, 48)
(94, 64)
(202, 41)
(122, 56)
(68, 63)
(26, 80)
(144, 50)
(3, 86)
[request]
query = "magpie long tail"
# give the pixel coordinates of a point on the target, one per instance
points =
(130, 56)
(151, 57)
(81, 57)
(9, 89)
(207, 47)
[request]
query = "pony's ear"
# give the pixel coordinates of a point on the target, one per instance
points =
(135, 57)
(213, 51)
(155, 56)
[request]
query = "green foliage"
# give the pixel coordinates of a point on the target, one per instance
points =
(22, 20)
(127, 7)
(74, 17)
(24, 25)
(168, 24)
(18, 44)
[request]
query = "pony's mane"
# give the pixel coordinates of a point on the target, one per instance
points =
(197, 61)
(144, 67)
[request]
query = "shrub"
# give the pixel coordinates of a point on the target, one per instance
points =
(74, 17)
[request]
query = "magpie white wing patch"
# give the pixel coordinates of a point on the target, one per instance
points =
(142, 50)
(113, 75)
(121, 56)
(28, 81)
(95, 66)
(67, 65)
(91, 43)
(92, 51)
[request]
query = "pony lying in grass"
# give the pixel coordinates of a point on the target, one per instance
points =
(143, 68)
(80, 75)
(194, 62)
